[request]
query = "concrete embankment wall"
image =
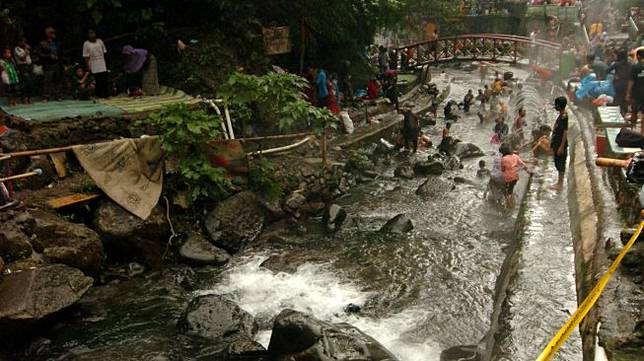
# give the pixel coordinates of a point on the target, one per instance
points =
(610, 330)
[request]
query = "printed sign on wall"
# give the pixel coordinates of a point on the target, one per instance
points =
(276, 40)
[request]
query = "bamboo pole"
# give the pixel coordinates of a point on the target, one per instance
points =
(279, 136)
(36, 172)
(228, 122)
(31, 153)
(281, 149)
(612, 163)
(223, 124)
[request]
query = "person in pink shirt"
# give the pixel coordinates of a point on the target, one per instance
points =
(510, 165)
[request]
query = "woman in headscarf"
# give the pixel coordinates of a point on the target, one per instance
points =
(141, 71)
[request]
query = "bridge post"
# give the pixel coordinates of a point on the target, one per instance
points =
(454, 49)
(494, 50)
(516, 48)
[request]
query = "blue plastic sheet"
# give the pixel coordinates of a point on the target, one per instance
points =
(590, 87)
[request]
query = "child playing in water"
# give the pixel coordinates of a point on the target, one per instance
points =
(510, 166)
(482, 172)
(542, 144)
(10, 77)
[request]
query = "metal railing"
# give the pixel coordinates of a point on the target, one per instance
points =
(487, 47)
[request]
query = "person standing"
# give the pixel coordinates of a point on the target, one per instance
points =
(467, 101)
(9, 75)
(346, 88)
(446, 140)
(410, 129)
(635, 91)
(94, 51)
(50, 54)
(22, 54)
(141, 71)
(383, 62)
(510, 166)
(519, 123)
(322, 90)
(559, 141)
(622, 68)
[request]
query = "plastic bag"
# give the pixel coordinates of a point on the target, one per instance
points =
(347, 123)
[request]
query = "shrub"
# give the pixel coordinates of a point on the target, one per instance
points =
(184, 135)
(273, 101)
(261, 179)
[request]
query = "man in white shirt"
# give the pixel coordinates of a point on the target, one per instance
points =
(94, 53)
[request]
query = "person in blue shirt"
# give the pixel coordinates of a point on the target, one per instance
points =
(321, 89)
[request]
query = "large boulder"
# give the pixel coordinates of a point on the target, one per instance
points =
(452, 162)
(334, 217)
(64, 242)
(405, 172)
(216, 317)
(458, 353)
(198, 251)
(115, 222)
(128, 237)
(398, 225)
(30, 295)
(14, 244)
(47, 176)
(245, 350)
(299, 337)
(294, 202)
(465, 150)
(431, 167)
(236, 222)
(435, 187)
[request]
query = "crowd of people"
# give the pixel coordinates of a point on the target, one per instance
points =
(47, 71)
(508, 134)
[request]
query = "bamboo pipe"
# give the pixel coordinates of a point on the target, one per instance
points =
(35, 172)
(279, 136)
(31, 153)
(229, 122)
(281, 149)
(212, 104)
(612, 163)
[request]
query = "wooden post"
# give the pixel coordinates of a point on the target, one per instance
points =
(516, 46)
(302, 45)
(366, 111)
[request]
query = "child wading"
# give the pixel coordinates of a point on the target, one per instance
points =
(9, 76)
(510, 165)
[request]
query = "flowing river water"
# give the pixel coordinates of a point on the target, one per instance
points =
(420, 293)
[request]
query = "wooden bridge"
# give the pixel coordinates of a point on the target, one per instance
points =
(484, 47)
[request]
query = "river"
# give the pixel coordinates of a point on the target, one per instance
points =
(419, 293)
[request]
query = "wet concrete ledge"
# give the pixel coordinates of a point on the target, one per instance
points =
(595, 223)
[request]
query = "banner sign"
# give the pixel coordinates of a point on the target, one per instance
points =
(276, 40)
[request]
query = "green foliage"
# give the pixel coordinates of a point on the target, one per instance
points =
(410, 16)
(358, 162)
(262, 181)
(273, 100)
(184, 136)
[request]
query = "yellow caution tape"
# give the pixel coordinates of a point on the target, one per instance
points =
(585, 307)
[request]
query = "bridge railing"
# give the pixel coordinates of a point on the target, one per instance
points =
(483, 47)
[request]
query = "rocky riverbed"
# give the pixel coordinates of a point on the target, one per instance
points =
(381, 256)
